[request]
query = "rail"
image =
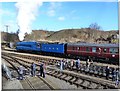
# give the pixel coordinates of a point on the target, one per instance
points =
(15, 64)
(73, 78)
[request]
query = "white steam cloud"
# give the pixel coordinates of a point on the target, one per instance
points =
(27, 12)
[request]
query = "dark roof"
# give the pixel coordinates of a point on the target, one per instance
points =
(92, 44)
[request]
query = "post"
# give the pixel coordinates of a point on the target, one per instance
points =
(7, 38)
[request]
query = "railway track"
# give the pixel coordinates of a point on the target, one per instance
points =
(78, 79)
(28, 82)
(94, 70)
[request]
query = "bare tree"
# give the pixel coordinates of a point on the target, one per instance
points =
(18, 31)
(94, 26)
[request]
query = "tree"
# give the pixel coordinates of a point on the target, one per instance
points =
(26, 34)
(94, 26)
(18, 31)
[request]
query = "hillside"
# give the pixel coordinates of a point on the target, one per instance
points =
(9, 37)
(66, 35)
(73, 35)
(37, 35)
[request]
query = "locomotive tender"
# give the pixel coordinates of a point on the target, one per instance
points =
(107, 53)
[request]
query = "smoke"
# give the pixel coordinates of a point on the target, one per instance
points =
(27, 12)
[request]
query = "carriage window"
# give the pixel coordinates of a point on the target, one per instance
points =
(57, 48)
(116, 50)
(99, 49)
(104, 50)
(94, 49)
(113, 50)
(87, 49)
(78, 48)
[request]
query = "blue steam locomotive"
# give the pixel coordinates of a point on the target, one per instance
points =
(41, 47)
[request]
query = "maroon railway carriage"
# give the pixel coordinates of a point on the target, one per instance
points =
(97, 52)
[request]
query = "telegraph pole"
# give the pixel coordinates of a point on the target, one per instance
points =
(6, 28)
(119, 26)
(7, 38)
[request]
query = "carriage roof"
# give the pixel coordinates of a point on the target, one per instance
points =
(92, 44)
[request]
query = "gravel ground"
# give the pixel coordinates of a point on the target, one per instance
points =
(60, 84)
(13, 84)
